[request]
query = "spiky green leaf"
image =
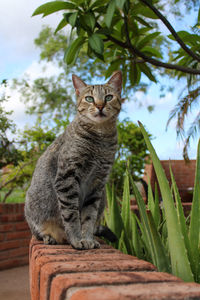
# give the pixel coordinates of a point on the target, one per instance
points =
(178, 253)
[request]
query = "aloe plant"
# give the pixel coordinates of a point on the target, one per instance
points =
(160, 234)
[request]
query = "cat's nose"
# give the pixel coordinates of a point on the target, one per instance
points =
(100, 106)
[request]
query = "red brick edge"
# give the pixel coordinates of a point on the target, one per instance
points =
(14, 236)
(62, 273)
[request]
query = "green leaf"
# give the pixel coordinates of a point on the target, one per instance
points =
(147, 39)
(162, 262)
(147, 71)
(51, 7)
(194, 229)
(142, 21)
(181, 220)
(61, 25)
(145, 11)
(72, 19)
(115, 220)
(109, 13)
(90, 20)
(152, 51)
(120, 3)
(122, 245)
(114, 66)
(186, 37)
(126, 210)
(77, 2)
(96, 43)
(98, 3)
(157, 214)
(151, 204)
(135, 236)
(198, 19)
(144, 220)
(73, 50)
(126, 215)
(134, 74)
(178, 253)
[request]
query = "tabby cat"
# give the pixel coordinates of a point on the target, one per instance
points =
(66, 198)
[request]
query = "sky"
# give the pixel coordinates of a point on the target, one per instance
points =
(18, 55)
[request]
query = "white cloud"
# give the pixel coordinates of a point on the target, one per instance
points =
(17, 34)
(14, 104)
(18, 28)
(19, 116)
(41, 69)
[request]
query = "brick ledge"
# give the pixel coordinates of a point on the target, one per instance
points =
(62, 273)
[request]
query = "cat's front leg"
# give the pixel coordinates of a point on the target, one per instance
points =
(89, 215)
(68, 189)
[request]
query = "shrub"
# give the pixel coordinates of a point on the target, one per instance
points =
(161, 234)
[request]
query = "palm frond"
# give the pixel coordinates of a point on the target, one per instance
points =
(191, 133)
(180, 112)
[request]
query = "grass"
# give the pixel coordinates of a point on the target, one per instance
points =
(17, 196)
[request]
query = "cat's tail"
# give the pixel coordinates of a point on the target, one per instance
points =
(104, 231)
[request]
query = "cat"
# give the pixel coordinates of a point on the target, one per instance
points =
(66, 198)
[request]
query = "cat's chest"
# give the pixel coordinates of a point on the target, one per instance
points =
(93, 178)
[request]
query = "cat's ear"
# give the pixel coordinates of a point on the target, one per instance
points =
(116, 81)
(79, 84)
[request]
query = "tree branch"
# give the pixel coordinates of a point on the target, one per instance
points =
(151, 60)
(15, 177)
(171, 29)
(7, 194)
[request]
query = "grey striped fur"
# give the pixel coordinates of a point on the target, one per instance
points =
(66, 198)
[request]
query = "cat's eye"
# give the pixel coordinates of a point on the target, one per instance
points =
(108, 98)
(89, 99)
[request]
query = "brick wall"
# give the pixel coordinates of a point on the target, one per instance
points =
(184, 174)
(14, 236)
(62, 273)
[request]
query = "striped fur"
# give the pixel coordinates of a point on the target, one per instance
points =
(67, 194)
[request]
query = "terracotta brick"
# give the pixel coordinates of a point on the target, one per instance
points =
(9, 245)
(184, 174)
(150, 291)
(42, 254)
(6, 227)
(2, 237)
(60, 272)
(13, 244)
(19, 252)
(51, 270)
(13, 253)
(7, 208)
(21, 226)
(11, 263)
(18, 235)
(63, 282)
(1, 208)
(12, 218)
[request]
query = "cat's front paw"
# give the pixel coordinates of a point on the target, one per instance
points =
(90, 244)
(85, 244)
(49, 240)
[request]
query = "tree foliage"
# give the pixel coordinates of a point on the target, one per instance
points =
(121, 32)
(8, 153)
(126, 34)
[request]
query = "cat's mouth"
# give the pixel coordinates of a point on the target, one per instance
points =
(100, 114)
